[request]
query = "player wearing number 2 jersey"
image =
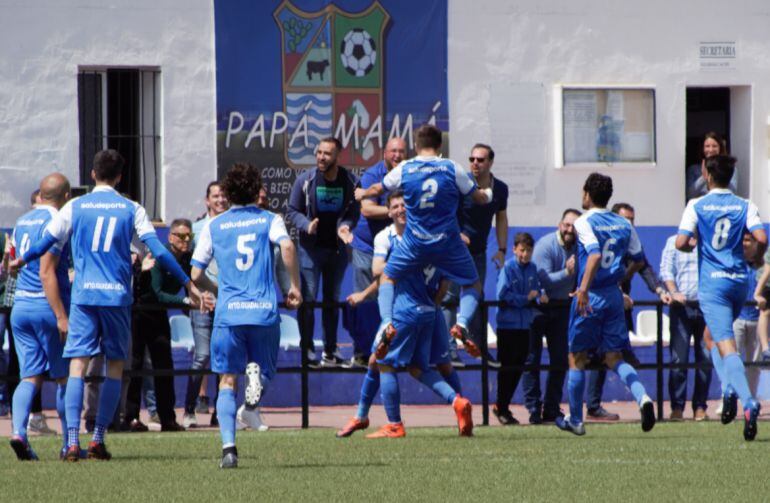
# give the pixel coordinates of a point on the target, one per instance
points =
(719, 219)
(101, 225)
(597, 320)
(432, 189)
(246, 322)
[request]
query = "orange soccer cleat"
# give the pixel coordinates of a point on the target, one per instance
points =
(389, 430)
(353, 425)
(387, 336)
(461, 334)
(463, 409)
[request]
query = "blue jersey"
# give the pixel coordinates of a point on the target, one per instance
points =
(240, 241)
(29, 228)
(414, 295)
(432, 189)
(101, 225)
(600, 231)
(720, 219)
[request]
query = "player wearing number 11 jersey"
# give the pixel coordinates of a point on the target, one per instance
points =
(597, 319)
(719, 218)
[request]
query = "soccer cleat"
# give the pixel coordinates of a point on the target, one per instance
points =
(352, 426)
(750, 416)
(461, 334)
(97, 450)
(729, 406)
(38, 424)
(388, 334)
(190, 421)
(647, 409)
(504, 416)
(389, 430)
(22, 449)
(254, 386)
(81, 453)
(249, 418)
(229, 458)
(463, 409)
(565, 424)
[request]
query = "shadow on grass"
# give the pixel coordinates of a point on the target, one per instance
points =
(293, 466)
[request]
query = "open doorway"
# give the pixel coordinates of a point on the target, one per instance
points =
(725, 111)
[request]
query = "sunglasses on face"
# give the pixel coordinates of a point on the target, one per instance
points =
(184, 236)
(477, 159)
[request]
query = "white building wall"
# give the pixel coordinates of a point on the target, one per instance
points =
(42, 45)
(555, 42)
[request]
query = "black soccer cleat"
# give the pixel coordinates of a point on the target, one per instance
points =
(750, 416)
(229, 458)
(97, 450)
(729, 407)
(648, 415)
(22, 449)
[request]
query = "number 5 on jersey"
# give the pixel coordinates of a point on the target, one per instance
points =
(244, 264)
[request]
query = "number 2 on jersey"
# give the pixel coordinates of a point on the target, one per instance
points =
(721, 233)
(429, 190)
(107, 244)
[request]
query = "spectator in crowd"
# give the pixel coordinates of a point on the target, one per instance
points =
(745, 327)
(597, 378)
(761, 296)
(518, 286)
(554, 257)
(150, 329)
(679, 272)
(374, 218)
(713, 145)
(196, 399)
(323, 209)
(5, 398)
(475, 224)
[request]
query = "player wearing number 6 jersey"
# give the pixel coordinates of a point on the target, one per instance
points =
(246, 321)
(719, 219)
(432, 189)
(101, 225)
(597, 319)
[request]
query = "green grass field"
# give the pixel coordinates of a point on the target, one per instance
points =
(675, 462)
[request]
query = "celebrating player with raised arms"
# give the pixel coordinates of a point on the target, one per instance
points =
(719, 219)
(597, 320)
(101, 225)
(246, 321)
(432, 189)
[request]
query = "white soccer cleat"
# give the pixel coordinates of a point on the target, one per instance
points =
(250, 418)
(254, 386)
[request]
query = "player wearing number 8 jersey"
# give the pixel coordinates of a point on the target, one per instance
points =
(597, 320)
(246, 321)
(719, 219)
(432, 189)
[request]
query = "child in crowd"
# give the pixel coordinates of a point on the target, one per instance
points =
(518, 287)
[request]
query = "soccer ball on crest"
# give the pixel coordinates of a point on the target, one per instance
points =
(358, 52)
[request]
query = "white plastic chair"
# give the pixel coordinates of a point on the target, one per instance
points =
(181, 332)
(289, 332)
(647, 329)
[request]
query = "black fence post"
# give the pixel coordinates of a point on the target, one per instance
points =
(304, 378)
(484, 364)
(659, 358)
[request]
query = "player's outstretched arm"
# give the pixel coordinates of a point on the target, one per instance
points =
(48, 264)
(482, 196)
(166, 259)
(289, 256)
(374, 190)
(202, 281)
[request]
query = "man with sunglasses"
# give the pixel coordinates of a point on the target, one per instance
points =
(475, 223)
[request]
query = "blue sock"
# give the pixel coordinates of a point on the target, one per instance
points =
(109, 398)
(433, 380)
(453, 379)
(630, 378)
(60, 389)
(20, 407)
(736, 376)
(716, 361)
(469, 301)
(385, 301)
(226, 413)
(73, 404)
(368, 391)
(576, 385)
(391, 396)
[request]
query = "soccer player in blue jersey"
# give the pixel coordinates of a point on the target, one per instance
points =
(100, 226)
(39, 317)
(439, 345)
(246, 321)
(597, 320)
(433, 188)
(719, 219)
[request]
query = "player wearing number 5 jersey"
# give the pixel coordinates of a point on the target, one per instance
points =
(719, 219)
(433, 188)
(597, 320)
(246, 321)
(101, 225)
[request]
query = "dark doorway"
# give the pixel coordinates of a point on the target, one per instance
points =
(708, 109)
